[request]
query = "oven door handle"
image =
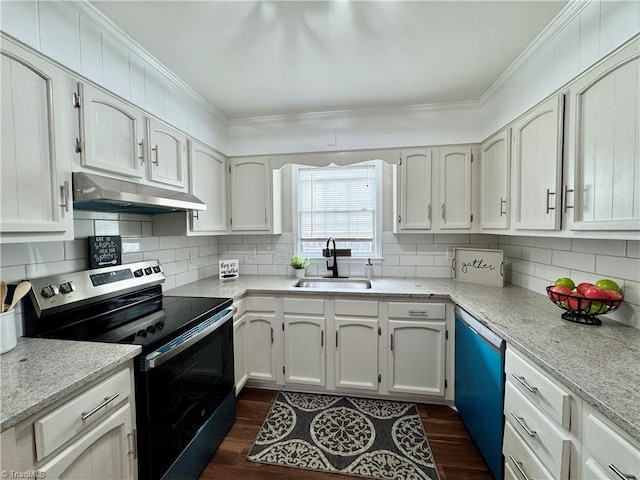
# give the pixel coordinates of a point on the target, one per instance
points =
(157, 358)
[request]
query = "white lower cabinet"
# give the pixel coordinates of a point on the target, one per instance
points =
(416, 340)
(355, 348)
(88, 435)
(262, 349)
(607, 453)
(240, 364)
(304, 342)
(520, 459)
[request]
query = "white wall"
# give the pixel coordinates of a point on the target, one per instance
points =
(77, 37)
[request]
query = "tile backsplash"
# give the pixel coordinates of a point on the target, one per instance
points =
(531, 262)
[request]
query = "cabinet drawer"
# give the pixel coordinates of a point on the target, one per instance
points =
(416, 311)
(520, 459)
(65, 422)
(260, 304)
(608, 447)
(553, 400)
(550, 444)
(303, 305)
(360, 308)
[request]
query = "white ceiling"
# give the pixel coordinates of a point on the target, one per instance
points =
(257, 58)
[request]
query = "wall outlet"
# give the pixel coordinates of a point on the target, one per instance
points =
(193, 256)
(281, 252)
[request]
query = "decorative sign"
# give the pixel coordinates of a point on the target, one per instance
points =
(105, 251)
(479, 266)
(228, 269)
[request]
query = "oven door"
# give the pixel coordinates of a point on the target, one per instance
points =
(182, 387)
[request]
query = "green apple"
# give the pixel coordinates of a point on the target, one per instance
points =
(565, 282)
(607, 284)
(597, 307)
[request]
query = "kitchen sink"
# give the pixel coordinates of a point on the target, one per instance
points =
(334, 283)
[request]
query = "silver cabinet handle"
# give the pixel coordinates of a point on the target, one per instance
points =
(141, 156)
(618, 472)
(322, 338)
(392, 342)
(567, 191)
(524, 383)
(272, 335)
(523, 424)
(418, 313)
(336, 339)
(549, 207)
(155, 151)
(106, 402)
(518, 465)
(503, 202)
(443, 210)
(64, 191)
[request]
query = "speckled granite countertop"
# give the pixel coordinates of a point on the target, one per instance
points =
(601, 364)
(39, 372)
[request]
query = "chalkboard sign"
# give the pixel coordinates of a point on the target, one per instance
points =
(482, 266)
(105, 251)
(228, 269)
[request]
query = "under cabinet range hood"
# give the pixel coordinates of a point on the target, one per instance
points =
(104, 194)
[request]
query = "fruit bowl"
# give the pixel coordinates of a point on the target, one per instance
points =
(581, 309)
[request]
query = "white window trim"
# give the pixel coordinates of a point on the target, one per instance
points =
(377, 241)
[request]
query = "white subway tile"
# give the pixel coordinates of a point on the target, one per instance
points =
(483, 238)
(266, 249)
(512, 251)
(431, 249)
(631, 292)
(210, 271)
(185, 253)
(86, 215)
(26, 253)
(539, 255)
(208, 250)
(258, 260)
(169, 282)
(419, 238)
(146, 229)
(523, 241)
(163, 256)
(627, 268)
(391, 260)
(13, 274)
(132, 257)
(135, 217)
(416, 260)
(76, 249)
(435, 272)
(230, 239)
(579, 276)
(522, 266)
(242, 249)
(45, 269)
(391, 271)
(400, 248)
(389, 237)
(550, 273)
(140, 244)
(187, 277)
(441, 261)
(82, 228)
(248, 269)
(273, 270)
(106, 227)
(451, 238)
(285, 238)
(250, 239)
(553, 243)
(197, 241)
(199, 262)
(172, 242)
(602, 247)
(633, 248)
(173, 268)
(575, 261)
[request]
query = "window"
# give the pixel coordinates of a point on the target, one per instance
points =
(338, 202)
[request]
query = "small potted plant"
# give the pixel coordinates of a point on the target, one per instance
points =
(299, 263)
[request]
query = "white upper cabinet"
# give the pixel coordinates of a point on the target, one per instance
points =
(603, 191)
(537, 163)
(35, 164)
(167, 154)
(112, 133)
(208, 183)
(495, 159)
(413, 191)
(455, 188)
(254, 208)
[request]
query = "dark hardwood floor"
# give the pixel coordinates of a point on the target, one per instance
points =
(456, 455)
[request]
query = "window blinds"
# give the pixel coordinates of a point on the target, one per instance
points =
(337, 202)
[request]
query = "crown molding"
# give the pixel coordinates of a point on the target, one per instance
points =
(359, 112)
(548, 34)
(120, 37)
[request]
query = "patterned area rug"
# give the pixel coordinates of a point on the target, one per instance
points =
(354, 436)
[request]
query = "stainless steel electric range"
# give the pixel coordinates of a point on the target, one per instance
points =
(185, 395)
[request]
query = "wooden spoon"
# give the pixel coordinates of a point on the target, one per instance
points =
(3, 295)
(21, 290)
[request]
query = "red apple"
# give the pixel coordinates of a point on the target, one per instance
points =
(581, 286)
(612, 298)
(574, 302)
(558, 289)
(594, 293)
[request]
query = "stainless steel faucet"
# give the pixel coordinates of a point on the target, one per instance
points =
(333, 268)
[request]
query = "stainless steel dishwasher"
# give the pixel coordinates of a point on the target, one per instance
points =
(479, 387)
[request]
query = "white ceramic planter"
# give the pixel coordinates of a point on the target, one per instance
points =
(8, 338)
(300, 272)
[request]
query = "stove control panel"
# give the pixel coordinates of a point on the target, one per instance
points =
(66, 289)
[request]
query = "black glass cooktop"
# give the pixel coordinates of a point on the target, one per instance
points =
(143, 318)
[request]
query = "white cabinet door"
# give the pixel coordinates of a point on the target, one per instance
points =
(455, 188)
(208, 183)
(413, 191)
(112, 133)
(495, 160)
(304, 344)
(167, 154)
(249, 189)
(106, 451)
(537, 159)
(416, 357)
(262, 347)
(356, 353)
(240, 364)
(604, 145)
(35, 164)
